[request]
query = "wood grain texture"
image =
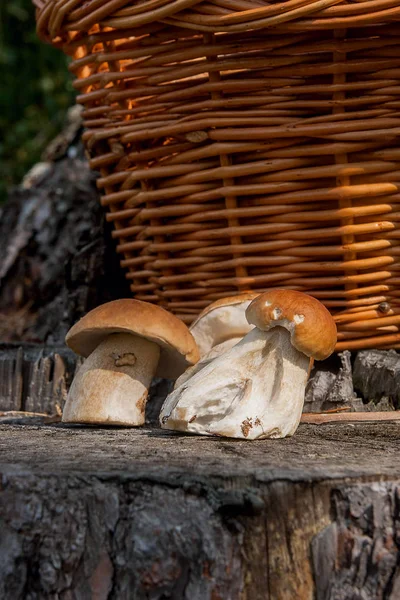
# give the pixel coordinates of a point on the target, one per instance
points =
(35, 377)
(350, 417)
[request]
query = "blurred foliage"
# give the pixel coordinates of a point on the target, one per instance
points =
(35, 92)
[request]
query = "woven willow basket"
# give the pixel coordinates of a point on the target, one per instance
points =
(244, 145)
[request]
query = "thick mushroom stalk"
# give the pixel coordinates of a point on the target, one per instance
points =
(207, 358)
(126, 342)
(111, 387)
(256, 389)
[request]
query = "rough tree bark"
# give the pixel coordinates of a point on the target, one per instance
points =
(58, 260)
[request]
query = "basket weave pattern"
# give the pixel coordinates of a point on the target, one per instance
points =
(245, 145)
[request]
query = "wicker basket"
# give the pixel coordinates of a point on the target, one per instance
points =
(245, 145)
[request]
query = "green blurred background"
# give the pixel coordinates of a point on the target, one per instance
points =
(35, 92)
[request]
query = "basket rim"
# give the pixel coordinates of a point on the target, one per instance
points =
(57, 17)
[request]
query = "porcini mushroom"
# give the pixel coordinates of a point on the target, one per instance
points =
(219, 327)
(223, 320)
(256, 389)
(127, 342)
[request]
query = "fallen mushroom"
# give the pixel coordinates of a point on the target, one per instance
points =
(256, 389)
(126, 342)
(219, 327)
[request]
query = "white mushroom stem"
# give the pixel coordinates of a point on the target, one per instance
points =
(203, 362)
(111, 387)
(254, 390)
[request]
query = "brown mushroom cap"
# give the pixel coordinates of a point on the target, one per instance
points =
(219, 321)
(178, 348)
(312, 328)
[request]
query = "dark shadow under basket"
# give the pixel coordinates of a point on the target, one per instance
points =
(245, 145)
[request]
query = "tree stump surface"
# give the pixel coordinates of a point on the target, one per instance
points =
(107, 513)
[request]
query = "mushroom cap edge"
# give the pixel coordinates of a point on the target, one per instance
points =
(178, 349)
(214, 324)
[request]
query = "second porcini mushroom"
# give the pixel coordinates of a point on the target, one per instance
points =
(219, 327)
(222, 321)
(256, 389)
(127, 342)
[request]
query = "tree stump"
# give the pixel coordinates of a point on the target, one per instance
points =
(142, 513)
